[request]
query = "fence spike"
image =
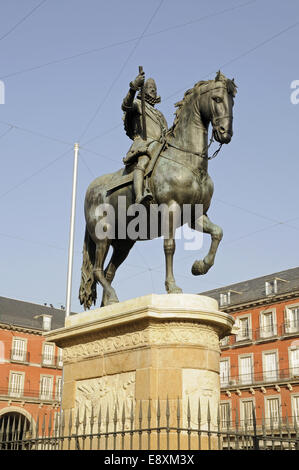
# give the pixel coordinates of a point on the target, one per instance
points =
(31, 428)
(132, 414)
(99, 420)
(70, 421)
(13, 427)
(2, 432)
(237, 419)
(37, 427)
(19, 425)
(115, 413)
(140, 413)
(271, 423)
(209, 413)
(77, 420)
(56, 424)
(62, 423)
(149, 411)
(123, 416)
(287, 422)
(295, 425)
(84, 420)
(91, 419)
(167, 408)
(158, 409)
(50, 424)
(199, 413)
(107, 416)
(178, 411)
(44, 425)
(188, 412)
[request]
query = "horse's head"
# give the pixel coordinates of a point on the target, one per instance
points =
(220, 100)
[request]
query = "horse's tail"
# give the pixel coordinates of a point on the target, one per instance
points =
(88, 287)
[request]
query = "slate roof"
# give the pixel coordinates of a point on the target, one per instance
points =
(28, 315)
(254, 289)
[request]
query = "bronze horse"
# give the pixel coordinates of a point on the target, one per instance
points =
(179, 177)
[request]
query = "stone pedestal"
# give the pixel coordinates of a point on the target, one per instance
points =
(157, 355)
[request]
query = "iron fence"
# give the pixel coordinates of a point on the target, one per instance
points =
(146, 426)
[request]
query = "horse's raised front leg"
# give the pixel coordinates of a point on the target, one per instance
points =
(169, 249)
(202, 266)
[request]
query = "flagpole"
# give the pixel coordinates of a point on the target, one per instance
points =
(72, 229)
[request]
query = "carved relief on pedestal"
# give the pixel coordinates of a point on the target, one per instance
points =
(200, 386)
(96, 396)
(165, 333)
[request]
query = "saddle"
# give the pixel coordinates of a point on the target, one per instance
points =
(125, 176)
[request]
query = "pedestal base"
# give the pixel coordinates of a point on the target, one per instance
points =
(155, 356)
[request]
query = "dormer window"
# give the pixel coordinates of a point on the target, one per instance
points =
(271, 287)
(47, 320)
(224, 299)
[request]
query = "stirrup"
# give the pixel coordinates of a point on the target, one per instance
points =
(145, 198)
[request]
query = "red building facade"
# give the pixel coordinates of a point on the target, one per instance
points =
(259, 366)
(30, 368)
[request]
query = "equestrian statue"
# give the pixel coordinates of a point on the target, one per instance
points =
(164, 167)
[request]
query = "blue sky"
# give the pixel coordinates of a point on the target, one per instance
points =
(66, 66)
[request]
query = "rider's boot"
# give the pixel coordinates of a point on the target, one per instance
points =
(140, 196)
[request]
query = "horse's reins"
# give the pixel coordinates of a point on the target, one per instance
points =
(199, 154)
(202, 154)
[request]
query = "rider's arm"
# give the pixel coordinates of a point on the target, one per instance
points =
(128, 101)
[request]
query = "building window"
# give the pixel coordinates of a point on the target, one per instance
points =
(295, 409)
(292, 319)
(246, 412)
(243, 323)
(294, 361)
(46, 387)
(47, 320)
(224, 299)
(18, 352)
(224, 372)
(59, 358)
(225, 415)
(58, 389)
(270, 366)
(48, 354)
(224, 341)
(267, 324)
(271, 287)
(272, 412)
(16, 384)
(245, 369)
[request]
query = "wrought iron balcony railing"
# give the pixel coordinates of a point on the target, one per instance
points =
(27, 393)
(19, 356)
(260, 378)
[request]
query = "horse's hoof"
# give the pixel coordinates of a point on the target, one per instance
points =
(199, 268)
(172, 288)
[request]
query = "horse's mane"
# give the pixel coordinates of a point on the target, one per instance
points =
(231, 89)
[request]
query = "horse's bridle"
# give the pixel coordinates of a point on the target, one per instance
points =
(214, 123)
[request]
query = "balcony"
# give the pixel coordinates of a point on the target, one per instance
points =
(259, 335)
(27, 394)
(290, 328)
(242, 338)
(17, 355)
(267, 333)
(260, 378)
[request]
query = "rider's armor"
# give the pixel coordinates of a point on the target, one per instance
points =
(156, 128)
